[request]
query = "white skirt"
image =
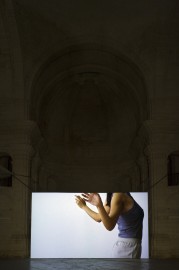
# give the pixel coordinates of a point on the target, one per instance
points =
(127, 248)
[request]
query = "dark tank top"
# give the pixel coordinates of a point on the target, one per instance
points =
(130, 224)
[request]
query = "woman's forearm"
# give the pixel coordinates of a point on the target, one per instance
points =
(92, 213)
(107, 214)
(108, 222)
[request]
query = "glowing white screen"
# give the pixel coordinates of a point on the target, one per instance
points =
(60, 229)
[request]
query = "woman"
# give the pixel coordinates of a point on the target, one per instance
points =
(120, 209)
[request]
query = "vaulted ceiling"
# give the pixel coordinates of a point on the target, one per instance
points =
(88, 68)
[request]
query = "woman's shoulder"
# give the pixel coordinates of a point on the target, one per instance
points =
(119, 196)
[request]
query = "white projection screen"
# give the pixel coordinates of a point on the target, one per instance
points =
(60, 229)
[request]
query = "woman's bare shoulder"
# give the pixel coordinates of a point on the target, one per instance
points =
(119, 196)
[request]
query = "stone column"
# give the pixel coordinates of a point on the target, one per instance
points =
(162, 141)
(21, 201)
(19, 141)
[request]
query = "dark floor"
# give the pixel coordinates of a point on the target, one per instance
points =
(92, 264)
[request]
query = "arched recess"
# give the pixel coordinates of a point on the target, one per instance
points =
(89, 102)
(173, 169)
(5, 170)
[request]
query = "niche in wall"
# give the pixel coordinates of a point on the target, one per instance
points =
(5, 166)
(173, 169)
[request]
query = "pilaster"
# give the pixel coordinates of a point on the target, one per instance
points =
(163, 140)
(19, 140)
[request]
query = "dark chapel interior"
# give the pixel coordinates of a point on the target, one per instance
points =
(89, 100)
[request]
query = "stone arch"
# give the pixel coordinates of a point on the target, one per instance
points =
(89, 103)
(91, 59)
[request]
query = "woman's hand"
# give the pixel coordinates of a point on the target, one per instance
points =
(80, 201)
(92, 198)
